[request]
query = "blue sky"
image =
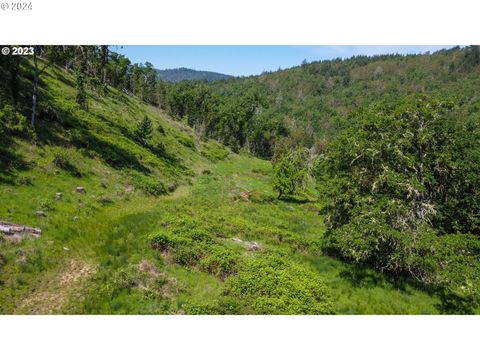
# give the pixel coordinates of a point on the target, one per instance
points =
(253, 60)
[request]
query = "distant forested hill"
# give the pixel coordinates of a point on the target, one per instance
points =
(308, 104)
(183, 74)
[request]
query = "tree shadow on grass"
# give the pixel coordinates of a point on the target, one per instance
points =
(115, 156)
(455, 305)
(9, 161)
(295, 199)
(362, 277)
(58, 128)
(159, 150)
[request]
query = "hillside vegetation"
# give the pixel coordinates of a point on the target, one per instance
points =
(294, 192)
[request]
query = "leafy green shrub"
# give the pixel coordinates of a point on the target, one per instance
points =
(163, 240)
(199, 309)
(269, 284)
(187, 254)
(188, 227)
(175, 221)
(148, 184)
(184, 251)
(46, 205)
(11, 119)
(220, 261)
(185, 140)
(199, 234)
(214, 151)
(190, 247)
(153, 186)
(290, 172)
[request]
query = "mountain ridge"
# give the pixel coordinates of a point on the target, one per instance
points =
(185, 74)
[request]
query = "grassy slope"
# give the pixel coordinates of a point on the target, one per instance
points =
(93, 242)
(100, 157)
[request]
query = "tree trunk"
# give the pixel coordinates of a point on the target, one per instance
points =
(35, 88)
(104, 63)
(420, 198)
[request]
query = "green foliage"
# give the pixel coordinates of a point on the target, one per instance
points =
(189, 245)
(395, 178)
(12, 120)
(66, 160)
(268, 284)
(148, 184)
(144, 130)
(450, 263)
(213, 151)
(80, 72)
(185, 140)
(46, 205)
(290, 172)
(201, 268)
(472, 57)
(163, 241)
(220, 261)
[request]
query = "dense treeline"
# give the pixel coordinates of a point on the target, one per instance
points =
(312, 101)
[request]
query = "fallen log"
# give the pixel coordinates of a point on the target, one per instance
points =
(11, 228)
(6, 230)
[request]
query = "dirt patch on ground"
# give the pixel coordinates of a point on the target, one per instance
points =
(55, 293)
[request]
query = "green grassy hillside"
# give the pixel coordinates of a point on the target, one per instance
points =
(175, 226)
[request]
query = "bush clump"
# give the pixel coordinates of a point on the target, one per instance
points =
(269, 284)
(185, 140)
(191, 247)
(214, 151)
(11, 119)
(290, 172)
(148, 184)
(183, 251)
(220, 261)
